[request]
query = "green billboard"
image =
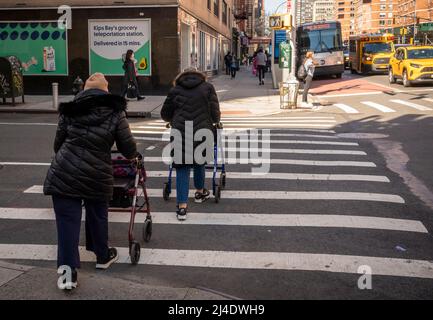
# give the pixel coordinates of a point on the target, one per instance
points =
(109, 40)
(41, 46)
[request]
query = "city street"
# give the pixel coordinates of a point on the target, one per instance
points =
(350, 186)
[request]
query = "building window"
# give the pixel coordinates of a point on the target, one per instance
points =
(216, 7)
(341, 16)
(209, 5)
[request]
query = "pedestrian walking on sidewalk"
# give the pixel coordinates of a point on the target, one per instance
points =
(310, 67)
(81, 171)
(227, 62)
(130, 82)
(191, 100)
(234, 66)
(262, 60)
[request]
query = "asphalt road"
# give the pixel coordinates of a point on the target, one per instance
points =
(341, 199)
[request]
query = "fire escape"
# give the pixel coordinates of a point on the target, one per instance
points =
(244, 16)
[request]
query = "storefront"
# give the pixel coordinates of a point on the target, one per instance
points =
(166, 40)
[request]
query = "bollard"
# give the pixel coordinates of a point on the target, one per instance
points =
(55, 95)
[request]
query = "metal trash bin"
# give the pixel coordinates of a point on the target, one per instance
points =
(11, 79)
(289, 94)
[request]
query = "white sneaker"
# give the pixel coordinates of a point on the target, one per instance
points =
(305, 105)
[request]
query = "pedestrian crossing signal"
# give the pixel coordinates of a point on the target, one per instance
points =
(281, 21)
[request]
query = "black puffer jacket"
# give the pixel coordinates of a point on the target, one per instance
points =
(87, 130)
(191, 99)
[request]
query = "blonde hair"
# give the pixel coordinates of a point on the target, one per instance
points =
(309, 55)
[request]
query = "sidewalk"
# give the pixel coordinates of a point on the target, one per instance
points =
(239, 97)
(19, 282)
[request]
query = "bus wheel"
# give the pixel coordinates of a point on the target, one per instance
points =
(406, 81)
(339, 75)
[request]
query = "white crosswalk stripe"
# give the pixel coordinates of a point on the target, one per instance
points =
(278, 195)
(241, 260)
(378, 106)
(241, 219)
(346, 108)
(411, 105)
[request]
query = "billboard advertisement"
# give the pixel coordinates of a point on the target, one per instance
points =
(110, 39)
(41, 46)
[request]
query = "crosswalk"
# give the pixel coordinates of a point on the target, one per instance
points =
(383, 105)
(323, 207)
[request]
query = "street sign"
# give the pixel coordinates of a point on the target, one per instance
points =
(285, 55)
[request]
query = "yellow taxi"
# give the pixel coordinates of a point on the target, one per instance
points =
(413, 64)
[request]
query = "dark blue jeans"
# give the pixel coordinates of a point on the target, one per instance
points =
(68, 220)
(182, 181)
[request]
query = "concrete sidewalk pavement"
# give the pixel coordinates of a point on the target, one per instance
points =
(18, 282)
(239, 97)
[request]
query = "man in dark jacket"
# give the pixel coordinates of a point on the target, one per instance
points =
(194, 101)
(82, 171)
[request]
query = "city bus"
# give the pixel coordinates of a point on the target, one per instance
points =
(325, 40)
(371, 52)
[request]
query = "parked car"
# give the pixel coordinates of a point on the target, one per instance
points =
(412, 64)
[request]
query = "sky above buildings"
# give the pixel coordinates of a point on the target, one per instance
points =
(272, 5)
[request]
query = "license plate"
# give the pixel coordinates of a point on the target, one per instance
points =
(381, 67)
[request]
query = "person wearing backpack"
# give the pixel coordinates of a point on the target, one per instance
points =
(306, 73)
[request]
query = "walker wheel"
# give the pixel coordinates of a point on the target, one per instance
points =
(147, 230)
(223, 180)
(134, 252)
(218, 194)
(166, 192)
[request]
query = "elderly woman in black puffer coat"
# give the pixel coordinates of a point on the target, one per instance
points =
(191, 101)
(82, 172)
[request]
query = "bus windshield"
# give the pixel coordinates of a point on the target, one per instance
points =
(420, 54)
(321, 40)
(377, 47)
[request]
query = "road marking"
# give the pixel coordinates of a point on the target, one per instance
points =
(244, 130)
(260, 134)
(234, 161)
(27, 124)
(411, 105)
(240, 219)
(246, 126)
(297, 151)
(278, 195)
(25, 164)
(264, 118)
(226, 139)
(240, 260)
(346, 108)
(349, 95)
(285, 176)
(378, 106)
(270, 122)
